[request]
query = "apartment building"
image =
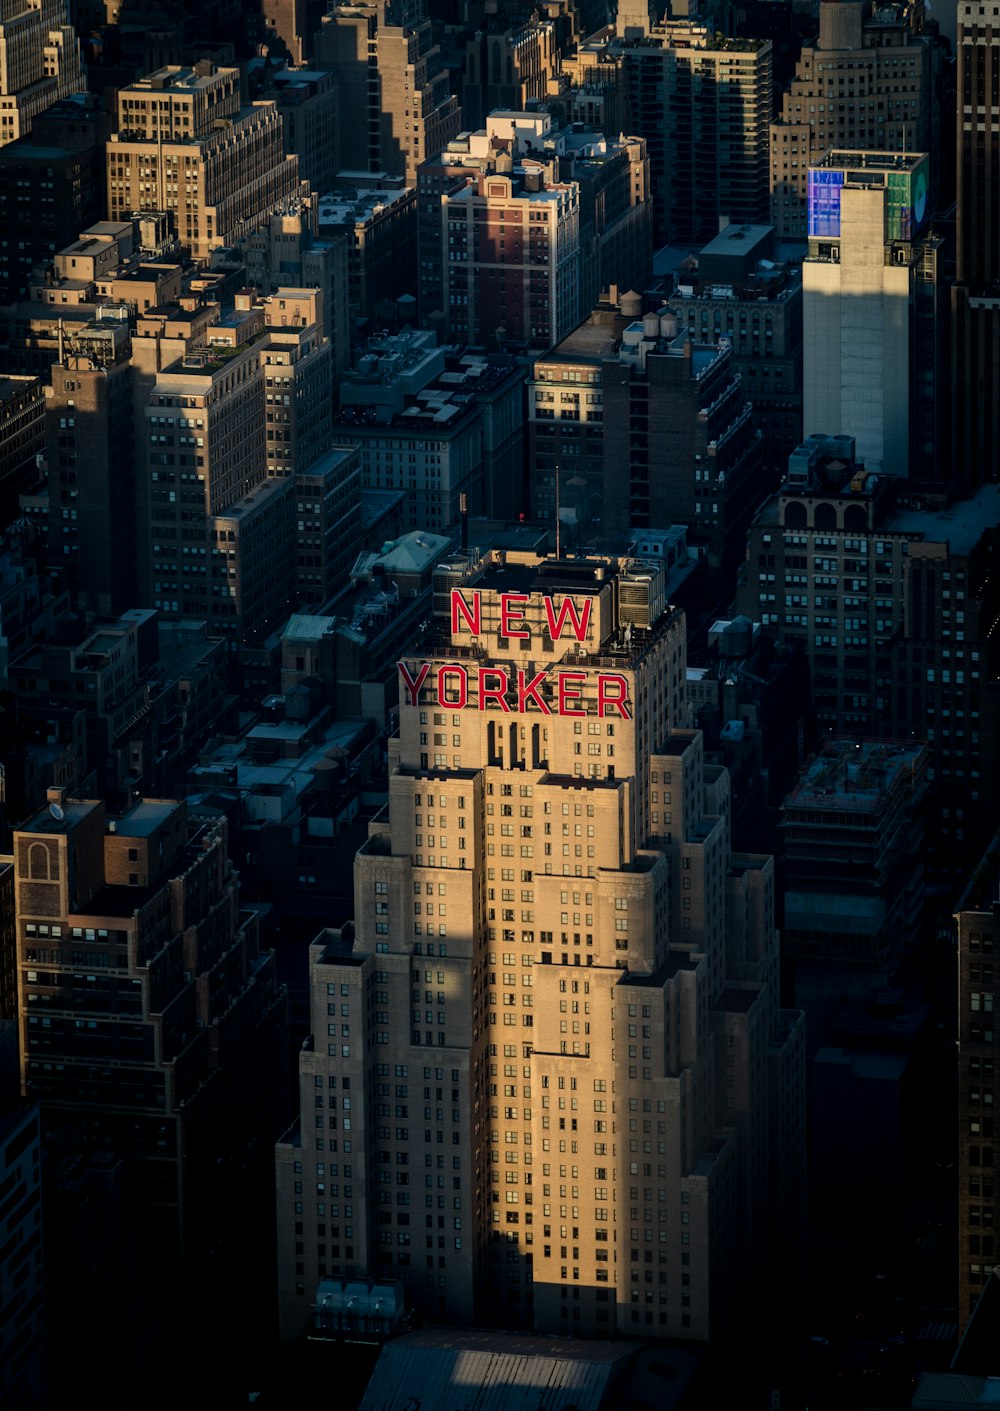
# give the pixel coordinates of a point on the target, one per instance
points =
(91, 482)
(703, 104)
(513, 256)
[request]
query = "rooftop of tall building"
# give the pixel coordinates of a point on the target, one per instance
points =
(857, 775)
(201, 77)
(841, 158)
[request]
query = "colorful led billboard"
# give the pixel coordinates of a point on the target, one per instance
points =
(906, 193)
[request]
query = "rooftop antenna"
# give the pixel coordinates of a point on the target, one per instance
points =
(558, 518)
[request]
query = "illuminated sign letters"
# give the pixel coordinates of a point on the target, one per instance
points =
(509, 688)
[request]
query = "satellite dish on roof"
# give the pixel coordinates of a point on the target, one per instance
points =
(57, 811)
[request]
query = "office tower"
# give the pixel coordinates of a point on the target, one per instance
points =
(740, 292)
(680, 445)
(298, 380)
(437, 423)
(328, 509)
(864, 86)
(893, 605)
(616, 211)
(39, 63)
(853, 832)
(635, 19)
(376, 217)
(185, 145)
(860, 375)
(293, 24)
(51, 188)
(220, 546)
(978, 918)
(308, 101)
(91, 468)
(22, 439)
(507, 65)
(618, 415)
(703, 104)
(547, 1060)
(566, 419)
(149, 1013)
(394, 89)
(288, 250)
(975, 311)
(513, 253)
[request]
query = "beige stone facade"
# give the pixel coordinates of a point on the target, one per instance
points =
(39, 62)
(186, 146)
(547, 1073)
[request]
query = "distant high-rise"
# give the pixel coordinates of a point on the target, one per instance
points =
(976, 293)
(868, 371)
(186, 145)
(978, 917)
(146, 1003)
(894, 607)
(512, 255)
(703, 104)
(39, 62)
(865, 85)
(506, 68)
(91, 470)
(396, 104)
(680, 446)
(549, 1084)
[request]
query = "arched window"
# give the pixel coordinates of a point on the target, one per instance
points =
(38, 862)
(795, 515)
(855, 519)
(825, 517)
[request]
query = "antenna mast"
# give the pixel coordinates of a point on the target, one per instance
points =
(558, 517)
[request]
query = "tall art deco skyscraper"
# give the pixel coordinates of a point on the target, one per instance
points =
(976, 293)
(549, 1084)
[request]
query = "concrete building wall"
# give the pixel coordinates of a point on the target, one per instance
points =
(856, 326)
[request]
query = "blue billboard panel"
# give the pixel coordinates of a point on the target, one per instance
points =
(824, 202)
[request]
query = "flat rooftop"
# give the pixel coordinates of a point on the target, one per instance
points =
(176, 76)
(856, 777)
(70, 813)
(593, 342)
(962, 524)
(344, 207)
(844, 158)
(144, 818)
(441, 1369)
(737, 240)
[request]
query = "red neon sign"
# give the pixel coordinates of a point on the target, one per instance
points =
(515, 690)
